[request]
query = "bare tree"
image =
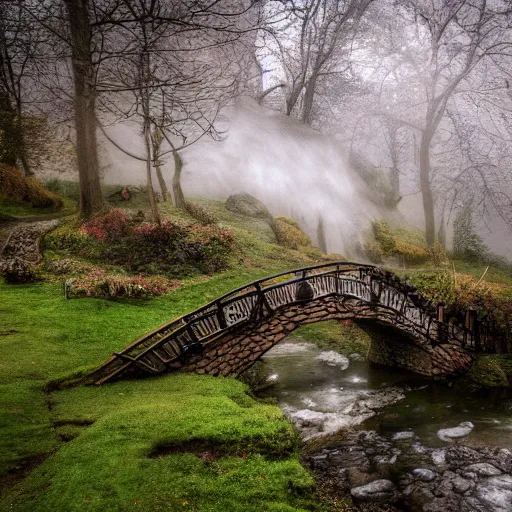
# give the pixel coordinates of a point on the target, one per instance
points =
(316, 31)
(19, 41)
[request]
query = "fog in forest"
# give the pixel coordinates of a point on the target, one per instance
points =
(333, 112)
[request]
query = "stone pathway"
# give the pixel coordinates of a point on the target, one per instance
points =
(19, 248)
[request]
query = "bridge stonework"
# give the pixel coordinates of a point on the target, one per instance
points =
(227, 335)
(235, 353)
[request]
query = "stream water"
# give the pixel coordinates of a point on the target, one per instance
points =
(322, 392)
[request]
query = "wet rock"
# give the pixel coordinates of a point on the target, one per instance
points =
(504, 460)
(423, 474)
(450, 504)
(401, 436)
(453, 434)
(357, 477)
(439, 457)
(333, 358)
(320, 461)
(482, 469)
(419, 449)
(459, 456)
(461, 485)
(247, 205)
(445, 488)
(378, 491)
(496, 493)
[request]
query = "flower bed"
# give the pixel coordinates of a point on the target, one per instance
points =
(99, 284)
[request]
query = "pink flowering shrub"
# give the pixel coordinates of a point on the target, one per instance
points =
(98, 284)
(172, 248)
(109, 226)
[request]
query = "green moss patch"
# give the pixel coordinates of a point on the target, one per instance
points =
(111, 464)
(289, 233)
(344, 337)
(492, 371)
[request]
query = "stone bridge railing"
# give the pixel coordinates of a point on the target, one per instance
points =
(365, 290)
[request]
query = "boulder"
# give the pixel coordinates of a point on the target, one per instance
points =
(423, 474)
(245, 204)
(496, 493)
(378, 491)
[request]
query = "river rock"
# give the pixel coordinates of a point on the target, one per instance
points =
(423, 474)
(378, 491)
(461, 485)
(247, 205)
(333, 358)
(439, 457)
(482, 469)
(404, 436)
(453, 434)
(496, 493)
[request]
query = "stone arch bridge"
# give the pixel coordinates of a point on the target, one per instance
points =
(228, 335)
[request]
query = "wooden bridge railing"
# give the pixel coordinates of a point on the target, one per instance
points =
(367, 284)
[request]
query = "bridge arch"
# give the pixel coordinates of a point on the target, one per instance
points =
(226, 336)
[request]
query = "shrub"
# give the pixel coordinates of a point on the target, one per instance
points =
(98, 284)
(289, 233)
(411, 253)
(384, 237)
(373, 250)
(109, 226)
(200, 213)
(384, 242)
(67, 237)
(169, 247)
(68, 266)
(466, 243)
(16, 187)
(65, 188)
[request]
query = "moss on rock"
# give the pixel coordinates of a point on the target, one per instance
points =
(492, 371)
(289, 233)
(18, 188)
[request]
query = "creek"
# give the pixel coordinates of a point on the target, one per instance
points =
(323, 392)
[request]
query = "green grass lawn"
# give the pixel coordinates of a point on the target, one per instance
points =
(90, 448)
(22, 209)
(106, 466)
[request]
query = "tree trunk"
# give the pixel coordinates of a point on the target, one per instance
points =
(149, 180)
(179, 197)
(426, 191)
(309, 96)
(161, 182)
(91, 199)
(320, 233)
(156, 140)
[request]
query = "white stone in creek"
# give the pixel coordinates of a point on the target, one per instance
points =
(439, 456)
(482, 469)
(399, 436)
(378, 491)
(423, 474)
(452, 434)
(333, 358)
(496, 493)
(284, 349)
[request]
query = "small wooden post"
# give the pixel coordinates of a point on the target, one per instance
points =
(472, 326)
(263, 298)
(440, 312)
(442, 330)
(220, 316)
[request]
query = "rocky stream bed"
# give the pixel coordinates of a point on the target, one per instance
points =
(389, 440)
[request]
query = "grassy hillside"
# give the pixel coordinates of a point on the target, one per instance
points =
(179, 442)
